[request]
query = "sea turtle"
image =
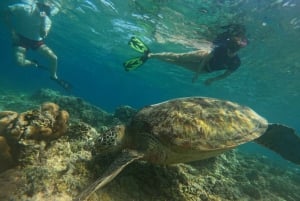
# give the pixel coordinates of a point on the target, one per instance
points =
(189, 129)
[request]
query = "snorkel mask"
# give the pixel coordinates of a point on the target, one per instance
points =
(44, 8)
(236, 43)
(236, 37)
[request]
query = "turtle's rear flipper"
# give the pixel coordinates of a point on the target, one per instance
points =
(127, 157)
(283, 140)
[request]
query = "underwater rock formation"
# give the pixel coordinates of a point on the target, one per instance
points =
(125, 113)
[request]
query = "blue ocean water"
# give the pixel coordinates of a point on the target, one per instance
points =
(90, 39)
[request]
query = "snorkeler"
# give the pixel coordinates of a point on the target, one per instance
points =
(29, 22)
(222, 56)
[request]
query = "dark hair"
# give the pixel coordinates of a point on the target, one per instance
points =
(44, 8)
(228, 37)
(235, 30)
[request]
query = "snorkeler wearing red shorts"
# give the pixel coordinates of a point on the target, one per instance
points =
(29, 22)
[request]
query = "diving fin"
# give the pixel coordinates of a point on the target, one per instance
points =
(63, 83)
(138, 45)
(135, 62)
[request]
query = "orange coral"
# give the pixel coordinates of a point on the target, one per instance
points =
(52, 108)
(46, 123)
(61, 125)
(18, 128)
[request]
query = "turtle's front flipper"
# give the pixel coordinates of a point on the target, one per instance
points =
(127, 157)
(283, 140)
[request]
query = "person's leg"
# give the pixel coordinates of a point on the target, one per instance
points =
(194, 56)
(20, 57)
(194, 61)
(49, 54)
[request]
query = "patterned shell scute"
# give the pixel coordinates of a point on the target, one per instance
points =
(200, 123)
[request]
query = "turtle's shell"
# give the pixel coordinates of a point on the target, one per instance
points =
(193, 128)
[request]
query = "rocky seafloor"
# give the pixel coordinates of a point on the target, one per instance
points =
(58, 167)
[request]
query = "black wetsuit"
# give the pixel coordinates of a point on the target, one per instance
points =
(221, 60)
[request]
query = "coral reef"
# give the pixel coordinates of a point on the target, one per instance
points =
(231, 176)
(6, 117)
(6, 158)
(88, 113)
(125, 113)
(59, 169)
(46, 123)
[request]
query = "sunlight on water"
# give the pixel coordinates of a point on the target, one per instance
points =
(98, 31)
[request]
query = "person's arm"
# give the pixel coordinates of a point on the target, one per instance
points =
(45, 25)
(6, 16)
(201, 67)
(234, 64)
(219, 77)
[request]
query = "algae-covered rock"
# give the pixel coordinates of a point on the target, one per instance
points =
(217, 179)
(125, 113)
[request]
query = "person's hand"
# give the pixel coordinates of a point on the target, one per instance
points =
(43, 33)
(208, 81)
(14, 36)
(43, 14)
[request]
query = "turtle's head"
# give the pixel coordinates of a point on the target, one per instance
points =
(110, 140)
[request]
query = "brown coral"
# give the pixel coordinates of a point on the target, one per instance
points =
(17, 130)
(6, 158)
(61, 125)
(46, 123)
(6, 117)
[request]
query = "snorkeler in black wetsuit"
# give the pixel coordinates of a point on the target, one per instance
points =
(225, 42)
(223, 55)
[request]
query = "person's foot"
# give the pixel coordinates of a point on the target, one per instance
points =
(36, 64)
(63, 83)
(54, 77)
(148, 54)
